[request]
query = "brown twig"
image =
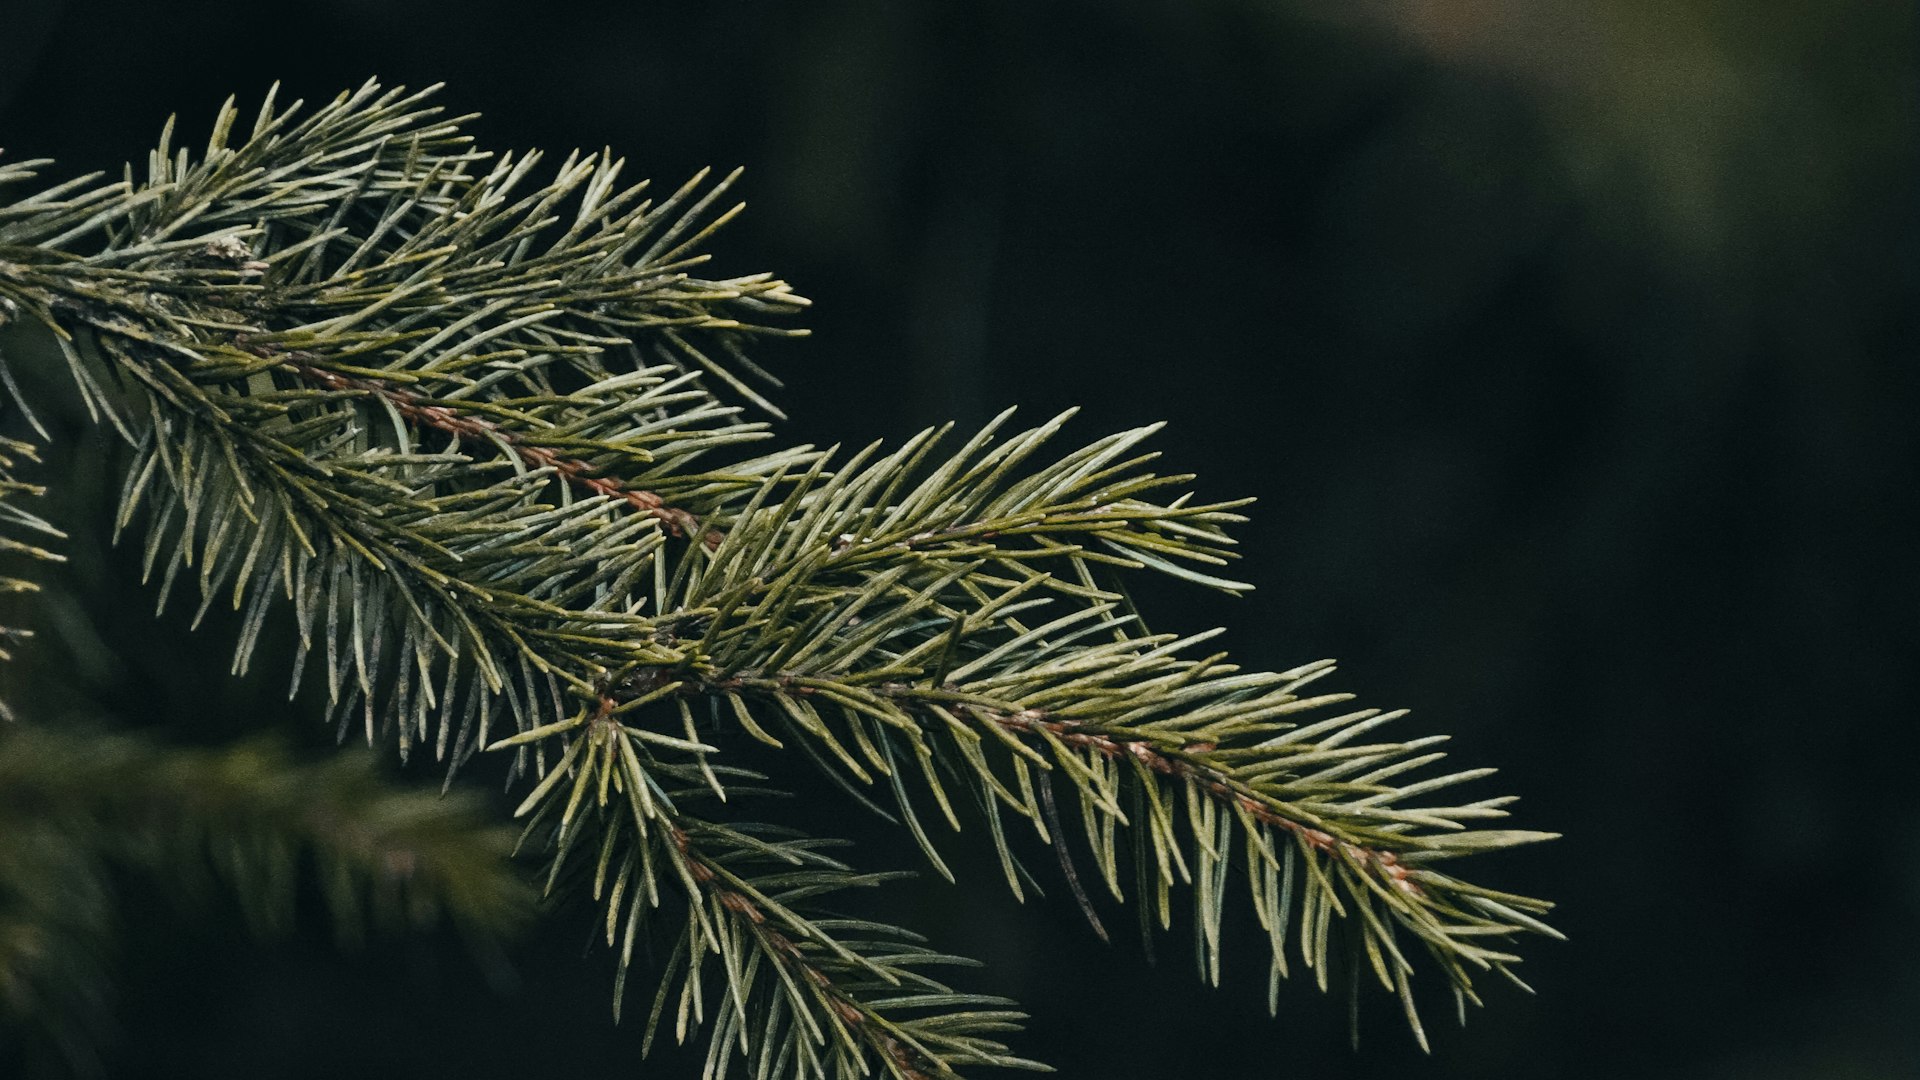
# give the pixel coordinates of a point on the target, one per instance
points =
(1217, 784)
(425, 412)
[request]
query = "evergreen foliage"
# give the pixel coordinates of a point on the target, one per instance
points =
(78, 807)
(482, 431)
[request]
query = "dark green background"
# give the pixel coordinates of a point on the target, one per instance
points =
(1569, 353)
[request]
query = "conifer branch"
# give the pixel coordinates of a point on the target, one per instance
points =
(1145, 738)
(798, 998)
(459, 420)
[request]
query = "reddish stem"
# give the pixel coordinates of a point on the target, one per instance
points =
(468, 428)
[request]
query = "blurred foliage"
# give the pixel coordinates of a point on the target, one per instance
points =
(92, 820)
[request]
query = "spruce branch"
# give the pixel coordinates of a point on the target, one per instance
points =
(923, 686)
(841, 1004)
(369, 210)
(798, 997)
(459, 420)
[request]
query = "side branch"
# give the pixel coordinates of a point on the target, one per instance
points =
(1183, 761)
(794, 991)
(1186, 763)
(907, 1062)
(426, 412)
(1151, 729)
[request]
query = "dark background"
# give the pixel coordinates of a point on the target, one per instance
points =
(1569, 353)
